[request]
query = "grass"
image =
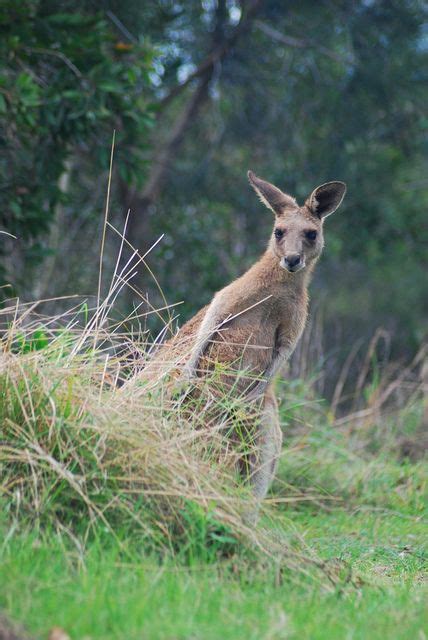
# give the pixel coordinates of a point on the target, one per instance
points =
(99, 595)
(122, 517)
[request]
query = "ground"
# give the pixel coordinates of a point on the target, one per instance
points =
(368, 523)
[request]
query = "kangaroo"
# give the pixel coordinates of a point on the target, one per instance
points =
(254, 323)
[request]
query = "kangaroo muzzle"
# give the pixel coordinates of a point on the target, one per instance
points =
(293, 262)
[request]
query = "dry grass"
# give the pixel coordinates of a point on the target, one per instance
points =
(84, 442)
(87, 443)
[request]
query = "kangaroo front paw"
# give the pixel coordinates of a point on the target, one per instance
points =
(188, 373)
(257, 392)
(182, 388)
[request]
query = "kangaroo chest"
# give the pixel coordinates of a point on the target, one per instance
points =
(291, 320)
(264, 339)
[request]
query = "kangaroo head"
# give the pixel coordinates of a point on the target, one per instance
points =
(297, 238)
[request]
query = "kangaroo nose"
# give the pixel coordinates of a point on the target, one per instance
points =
(293, 260)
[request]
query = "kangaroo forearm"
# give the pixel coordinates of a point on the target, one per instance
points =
(212, 319)
(271, 371)
(280, 358)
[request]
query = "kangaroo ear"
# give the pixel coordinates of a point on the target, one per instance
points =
(271, 196)
(324, 200)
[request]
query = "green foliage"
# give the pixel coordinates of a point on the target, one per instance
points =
(66, 82)
(348, 104)
(308, 93)
(38, 340)
(207, 538)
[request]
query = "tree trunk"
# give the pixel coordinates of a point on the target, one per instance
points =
(139, 225)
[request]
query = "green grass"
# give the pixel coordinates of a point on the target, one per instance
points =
(121, 517)
(373, 539)
(100, 595)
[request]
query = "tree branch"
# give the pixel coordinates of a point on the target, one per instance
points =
(301, 43)
(216, 54)
(221, 46)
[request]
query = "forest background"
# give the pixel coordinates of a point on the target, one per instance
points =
(197, 93)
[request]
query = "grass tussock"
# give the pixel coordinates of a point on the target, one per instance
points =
(88, 444)
(85, 442)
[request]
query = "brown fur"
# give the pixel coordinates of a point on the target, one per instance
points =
(254, 323)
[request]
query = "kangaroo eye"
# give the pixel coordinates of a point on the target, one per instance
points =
(311, 235)
(278, 233)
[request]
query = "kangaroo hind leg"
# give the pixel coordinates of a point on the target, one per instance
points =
(264, 458)
(269, 442)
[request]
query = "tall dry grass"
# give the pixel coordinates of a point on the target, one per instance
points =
(86, 444)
